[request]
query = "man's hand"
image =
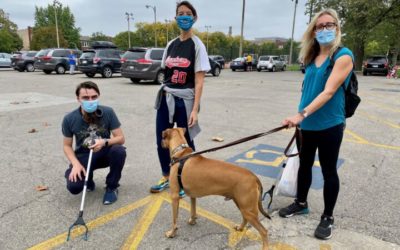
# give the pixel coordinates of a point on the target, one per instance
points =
(192, 119)
(98, 145)
(76, 173)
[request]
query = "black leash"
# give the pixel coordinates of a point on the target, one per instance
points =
(252, 137)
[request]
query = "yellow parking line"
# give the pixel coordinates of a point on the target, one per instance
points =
(325, 247)
(360, 140)
(60, 239)
(134, 239)
(383, 106)
(378, 119)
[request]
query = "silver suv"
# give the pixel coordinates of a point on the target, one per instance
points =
(143, 64)
(271, 63)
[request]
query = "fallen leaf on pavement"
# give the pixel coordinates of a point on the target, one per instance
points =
(41, 188)
(32, 131)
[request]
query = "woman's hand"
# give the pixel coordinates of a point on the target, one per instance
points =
(193, 119)
(293, 120)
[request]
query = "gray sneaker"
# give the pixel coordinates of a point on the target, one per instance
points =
(294, 209)
(324, 229)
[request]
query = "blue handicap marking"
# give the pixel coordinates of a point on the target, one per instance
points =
(267, 160)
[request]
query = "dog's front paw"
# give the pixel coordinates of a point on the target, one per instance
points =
(171, 233)
(192, 221)
(238, 228)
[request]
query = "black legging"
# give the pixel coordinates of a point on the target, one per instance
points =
(328, 144)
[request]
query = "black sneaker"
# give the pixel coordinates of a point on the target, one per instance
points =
(324, 229)
(294, 209)
(110, 196)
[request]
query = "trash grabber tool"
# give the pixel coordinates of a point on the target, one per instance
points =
(80, 221)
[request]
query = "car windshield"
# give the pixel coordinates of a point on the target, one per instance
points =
(31, 54)
(88, 54)
(264, 58)
(377, 60)
(43, 52)
(239, 59)
(134, 55)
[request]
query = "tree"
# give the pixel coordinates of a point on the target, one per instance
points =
(361, 19)
(46, 37)
(45, 17)
(9, 39)
(121, 40)
(99, 36)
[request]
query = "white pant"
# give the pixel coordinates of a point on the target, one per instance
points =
(71, 69)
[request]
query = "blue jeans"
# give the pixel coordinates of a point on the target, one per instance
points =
(113, 157)
(162, 123)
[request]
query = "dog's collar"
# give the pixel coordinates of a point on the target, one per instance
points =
(179, 148)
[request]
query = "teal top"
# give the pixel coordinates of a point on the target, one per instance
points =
(331, 113)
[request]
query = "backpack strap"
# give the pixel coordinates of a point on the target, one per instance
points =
(332, 63)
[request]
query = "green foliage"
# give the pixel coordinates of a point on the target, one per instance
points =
(46, 37)
(99, 36)
(121, 40)
(9, 39)
(46, 17)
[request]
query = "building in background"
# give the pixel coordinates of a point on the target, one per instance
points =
(279, 41)
(26, 36)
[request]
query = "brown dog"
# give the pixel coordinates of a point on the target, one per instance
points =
(202, 176)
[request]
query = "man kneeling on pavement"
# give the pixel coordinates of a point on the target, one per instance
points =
(92, 126)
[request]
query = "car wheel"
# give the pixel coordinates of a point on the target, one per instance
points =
(159, 77)
(258, 69)
(107, 72)
(273, 69)
(60, 69)
(135, 80)
(365, 72)
(284, 68)
(29, 67)
(90, 75)
(20, 70)
(216, 71)
(47, 71)
(233, 69)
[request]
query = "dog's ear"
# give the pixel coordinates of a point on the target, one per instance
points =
(165, 133)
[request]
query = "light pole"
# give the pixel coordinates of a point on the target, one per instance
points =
(167, 23)
(241, 30)
(291, 42)
(57, 4)
(207, 27)
(128, 17)
(155, 21)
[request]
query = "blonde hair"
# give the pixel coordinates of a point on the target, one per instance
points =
(309, 46)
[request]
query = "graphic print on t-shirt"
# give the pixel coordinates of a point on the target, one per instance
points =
(91, 133)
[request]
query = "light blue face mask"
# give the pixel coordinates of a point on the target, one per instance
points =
(185, 22)
(325, 37)
(90, 106)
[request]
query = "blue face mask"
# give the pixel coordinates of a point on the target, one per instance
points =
(90, 106)
(325, 37)
(185, 22)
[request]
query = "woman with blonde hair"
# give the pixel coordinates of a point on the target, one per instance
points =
(321, 113)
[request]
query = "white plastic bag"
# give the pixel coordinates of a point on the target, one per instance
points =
(287, 185)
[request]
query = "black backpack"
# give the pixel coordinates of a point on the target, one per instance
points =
(352, 100)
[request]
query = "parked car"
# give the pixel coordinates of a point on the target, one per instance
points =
(238, 63)
(376, 64)
(50, 60)
(143, 64)
(23, 60)
(271, 63)
(219, 59)
(5, 60)
(215, 67)
(103, 61)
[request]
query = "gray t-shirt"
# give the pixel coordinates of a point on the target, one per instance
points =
(74, 125)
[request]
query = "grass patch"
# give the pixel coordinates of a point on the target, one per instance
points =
(293, 67)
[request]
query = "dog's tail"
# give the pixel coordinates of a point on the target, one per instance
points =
(260, 207)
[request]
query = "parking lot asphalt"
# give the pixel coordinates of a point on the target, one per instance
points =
(234, 105)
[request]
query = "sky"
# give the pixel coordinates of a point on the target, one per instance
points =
(263, 18)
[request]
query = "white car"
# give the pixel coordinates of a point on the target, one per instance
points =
(5, 60)
(271, 63)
